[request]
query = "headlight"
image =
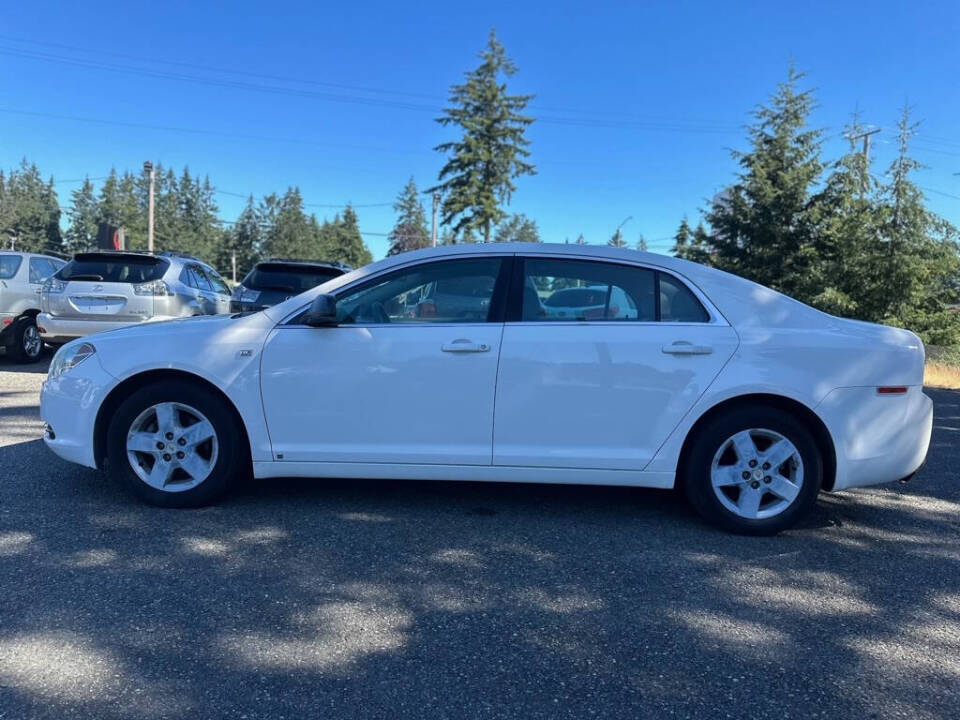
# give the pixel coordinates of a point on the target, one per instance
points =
(53, 285)
(154, 287)
(69, 356)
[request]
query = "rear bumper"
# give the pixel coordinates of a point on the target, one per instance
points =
(878, 438)
(59, 329)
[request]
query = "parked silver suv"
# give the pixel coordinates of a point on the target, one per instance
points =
(21, 277)
(109, 289)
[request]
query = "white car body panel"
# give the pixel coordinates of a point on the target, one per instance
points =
(381, 393)
(603, 395)
(764, 343)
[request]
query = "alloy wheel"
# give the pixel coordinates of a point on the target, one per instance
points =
(172, 447)
(757, 473)
(32, 342)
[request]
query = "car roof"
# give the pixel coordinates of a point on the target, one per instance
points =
(30, 254)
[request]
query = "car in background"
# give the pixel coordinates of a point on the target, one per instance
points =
(21, 278)
(108, 289)
(273, 281)
(589, 303)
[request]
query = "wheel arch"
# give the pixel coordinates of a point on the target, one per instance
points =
(133, 383)
(809, 418)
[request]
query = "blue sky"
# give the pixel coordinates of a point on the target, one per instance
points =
(639, 103)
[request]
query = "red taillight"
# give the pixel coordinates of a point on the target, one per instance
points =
(891, 390)
(7, 321)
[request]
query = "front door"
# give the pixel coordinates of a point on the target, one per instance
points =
(601, 364)
(407, 376)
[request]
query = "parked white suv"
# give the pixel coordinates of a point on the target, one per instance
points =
(107, 289)
(21, 277)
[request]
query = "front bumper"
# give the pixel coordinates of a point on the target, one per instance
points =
(59, 329)
(69, 404)
(878, 438)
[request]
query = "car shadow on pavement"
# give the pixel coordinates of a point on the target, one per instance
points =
(300, 598)
(8, 364)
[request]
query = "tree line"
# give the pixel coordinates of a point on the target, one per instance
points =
(185, 220)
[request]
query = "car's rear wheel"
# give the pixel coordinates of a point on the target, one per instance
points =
(175, 444)
(26, 345)
(753, 470)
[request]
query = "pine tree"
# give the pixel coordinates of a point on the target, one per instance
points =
(410, 231)
(492, 151)
(761, 226)
(82, 233)
(517, 228)
(288, 232)
(29, 211)
(348, 246)
(681, 241)
(242, 241)
(617, 239)
(916, 262)
(642, 244)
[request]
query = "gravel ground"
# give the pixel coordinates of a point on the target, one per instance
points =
(365, 599)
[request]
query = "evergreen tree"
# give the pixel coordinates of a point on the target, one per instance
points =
(346, 245)
(492, 151)
(410, 231)
(517, 228)
(29, 211)
(761, 226)
(82, 233)
(617, 239)
(242, 241)
(916, 263)
(681, 241)
(699, 249)
(642, 244)
(288, 231)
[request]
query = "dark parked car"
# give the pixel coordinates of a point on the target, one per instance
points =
(273, 281)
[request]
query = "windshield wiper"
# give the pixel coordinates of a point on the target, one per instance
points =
(84, 277)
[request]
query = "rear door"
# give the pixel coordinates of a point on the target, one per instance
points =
(107, 286)
(219, 292)
(603, 388)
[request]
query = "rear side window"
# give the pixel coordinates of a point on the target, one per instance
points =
(9, 264)
(40, 269)
(678, 304)
(216, 282)
(577, 290)
(113, 268)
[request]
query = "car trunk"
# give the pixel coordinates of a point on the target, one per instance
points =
(101, 286)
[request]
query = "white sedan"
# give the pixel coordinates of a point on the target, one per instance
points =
(748, 400)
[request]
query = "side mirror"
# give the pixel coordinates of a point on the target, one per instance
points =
(322, 312)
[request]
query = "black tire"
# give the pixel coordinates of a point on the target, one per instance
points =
(232, 457)
(712, 436)
(19, 349)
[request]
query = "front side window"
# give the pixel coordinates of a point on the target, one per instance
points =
(576, 290)
(216, 282)
(452, 291)
(9, 264)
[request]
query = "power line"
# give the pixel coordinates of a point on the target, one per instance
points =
(939, 192)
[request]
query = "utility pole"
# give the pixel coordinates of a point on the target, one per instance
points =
(433, 227)
(233, 263)
(148, 168)
(866, 141)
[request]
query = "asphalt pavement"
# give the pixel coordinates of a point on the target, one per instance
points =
(371, 599)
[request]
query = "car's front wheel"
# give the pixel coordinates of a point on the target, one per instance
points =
(753, 470)
(175, 444)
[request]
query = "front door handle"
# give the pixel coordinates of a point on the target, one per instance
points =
(682, 347)
(464, 346)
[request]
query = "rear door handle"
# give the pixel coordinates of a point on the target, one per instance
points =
(682, 347)
(464, 346)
